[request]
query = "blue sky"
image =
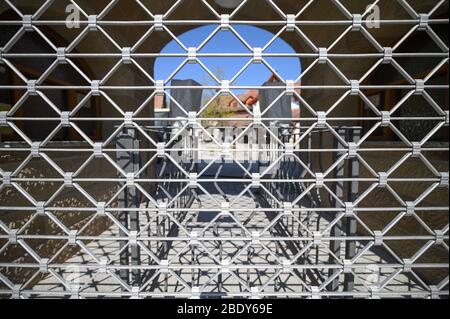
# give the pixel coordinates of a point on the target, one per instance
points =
(227, 42)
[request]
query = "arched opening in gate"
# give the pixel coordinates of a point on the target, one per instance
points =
(246, 59)
(223, 55)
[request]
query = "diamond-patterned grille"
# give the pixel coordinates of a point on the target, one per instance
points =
(103, 195)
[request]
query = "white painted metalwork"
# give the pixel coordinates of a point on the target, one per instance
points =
(284, 229)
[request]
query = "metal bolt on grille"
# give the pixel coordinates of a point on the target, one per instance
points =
(103, 194)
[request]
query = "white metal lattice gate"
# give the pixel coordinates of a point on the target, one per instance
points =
(103, 196)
